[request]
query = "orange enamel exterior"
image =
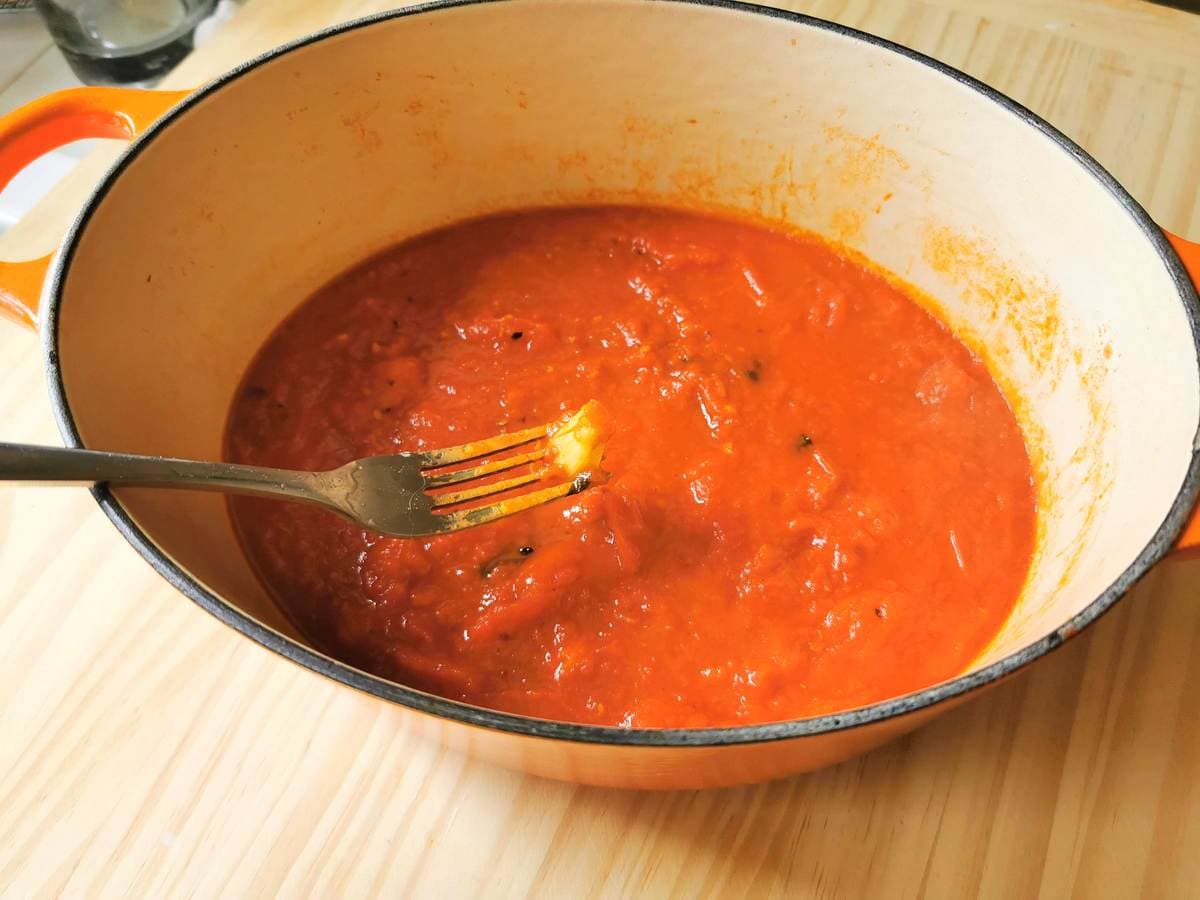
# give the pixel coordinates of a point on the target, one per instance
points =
(1188, 544)
(52, 121)
(20, 288)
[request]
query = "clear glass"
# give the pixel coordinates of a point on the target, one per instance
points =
(123, 41)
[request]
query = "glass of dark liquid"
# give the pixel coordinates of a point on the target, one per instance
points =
(123, 41)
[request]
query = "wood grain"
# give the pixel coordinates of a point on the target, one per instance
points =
(146, 750)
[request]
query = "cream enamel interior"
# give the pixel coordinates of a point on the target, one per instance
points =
(303, 166)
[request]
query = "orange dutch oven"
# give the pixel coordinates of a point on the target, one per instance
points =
(236, 201)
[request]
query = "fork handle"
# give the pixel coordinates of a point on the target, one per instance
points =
(30, 464)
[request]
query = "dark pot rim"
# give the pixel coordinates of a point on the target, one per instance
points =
(456, 711)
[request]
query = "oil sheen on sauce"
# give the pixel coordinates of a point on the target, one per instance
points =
(818, 498)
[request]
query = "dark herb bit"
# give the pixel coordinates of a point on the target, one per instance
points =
(754, 373)
(803, 442)
(517, 335)
(488, 569)
(582, 480)
(881, 612)
(395, 324)
(639, 249)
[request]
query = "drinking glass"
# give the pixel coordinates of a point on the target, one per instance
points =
(123, 41)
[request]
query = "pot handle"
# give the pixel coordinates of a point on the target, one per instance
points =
(1188, 544)
(52, 121)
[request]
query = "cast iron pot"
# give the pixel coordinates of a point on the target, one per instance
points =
(235, 202)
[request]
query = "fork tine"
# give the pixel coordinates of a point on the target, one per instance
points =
(484, 490)
(468, 518)
(499, 465)
(432, 459)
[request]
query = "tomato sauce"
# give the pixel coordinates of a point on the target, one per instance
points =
(818, 498)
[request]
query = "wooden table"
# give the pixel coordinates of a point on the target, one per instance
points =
(146, 749)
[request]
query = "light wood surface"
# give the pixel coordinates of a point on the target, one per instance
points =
(147, 750)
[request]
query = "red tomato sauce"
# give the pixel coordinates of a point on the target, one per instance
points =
(819, 498)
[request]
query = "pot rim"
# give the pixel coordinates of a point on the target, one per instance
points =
(460, 712)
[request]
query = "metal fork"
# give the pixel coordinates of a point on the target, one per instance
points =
(400, 494)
